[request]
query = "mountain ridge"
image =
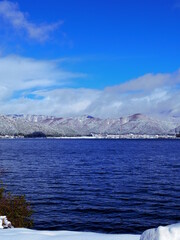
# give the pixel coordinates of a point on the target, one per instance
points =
(86, 125)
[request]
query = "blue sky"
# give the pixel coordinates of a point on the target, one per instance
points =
(93, 49)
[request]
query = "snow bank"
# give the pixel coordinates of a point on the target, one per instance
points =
(171, 232)
(26, 234)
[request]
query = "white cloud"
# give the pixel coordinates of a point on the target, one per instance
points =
(19, 21)
(59, 102)
(149, 82)
(18, 74)
(42, 87)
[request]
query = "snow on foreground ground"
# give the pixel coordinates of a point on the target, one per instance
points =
(26, 234)
(171, 232)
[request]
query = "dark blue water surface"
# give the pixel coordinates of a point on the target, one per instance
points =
(117, 186)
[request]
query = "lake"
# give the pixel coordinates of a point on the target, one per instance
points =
(111, 186)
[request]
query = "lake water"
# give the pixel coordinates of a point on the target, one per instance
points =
(112, 186)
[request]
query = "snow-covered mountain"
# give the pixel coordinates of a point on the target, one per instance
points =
(85, 125)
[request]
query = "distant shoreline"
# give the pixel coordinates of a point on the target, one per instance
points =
(97, 136)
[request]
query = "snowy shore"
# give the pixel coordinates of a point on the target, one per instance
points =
(26, 234)
(99, 136)
(171, 232)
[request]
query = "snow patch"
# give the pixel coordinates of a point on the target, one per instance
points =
(4, 223)
(171, 232)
